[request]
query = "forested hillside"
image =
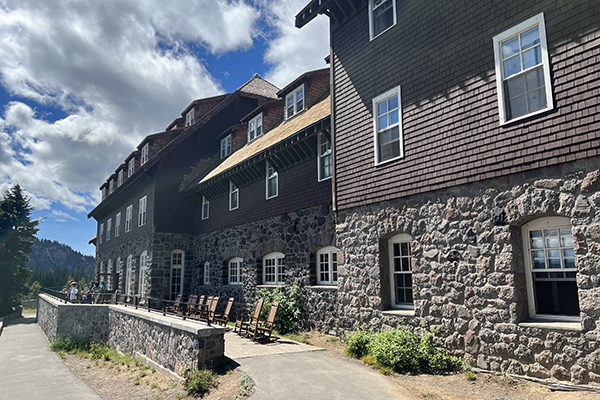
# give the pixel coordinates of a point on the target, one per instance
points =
(48, 255)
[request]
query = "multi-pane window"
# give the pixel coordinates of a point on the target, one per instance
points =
(118, 225)
(120, 178)
(400, 271)
(144, 157)
(128, 274)
(108, 275)
(108, 228)
(327, 266)
(274, 269)
(523, 70)
(325, 166)
(143, 269)
(235, 271)
(104, 192)
(552, 274)
(294, 102)
(272, 181)
(226, 146)
(189, 118)
(255, 127)
(382, 16)
(100, 233)
(131, 167)
(142, 211)
(110, 186)
(206, 273)
(388, 126)
(205, 207)
(128, 217)
(233, 196)
(177, 264)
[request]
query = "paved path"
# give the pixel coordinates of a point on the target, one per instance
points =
(29, 370)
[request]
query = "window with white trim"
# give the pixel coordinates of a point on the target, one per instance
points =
(234, 200)
(142, 211)
(274, 269)
(119, 264)
(205, 207)
(143, 269)
(382, 16)
(294, 102)
(523, 70)
(108, 228)
(324, 159)
(131, 167)
(120, 178)
(145, 151)
(177, 268)
(551, 272)
(327, 266)
(100, 233)
(189, 118)
(110, 186)
(118, 225)
(206, 273)
(108, 276)
(128, 274)
(272, 181)
(387, 121)
(255, 127)
(234, 267)
(104, 192)
(401, 271)
(128, 217)
(226, 146)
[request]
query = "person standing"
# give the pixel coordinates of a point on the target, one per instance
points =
(73, 292)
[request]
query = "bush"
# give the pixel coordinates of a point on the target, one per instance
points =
(198, 382)
(357, 343)
(288, 315)
(69, 344)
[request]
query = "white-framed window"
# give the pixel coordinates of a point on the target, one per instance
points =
(382, 16)
(119, 265)
(142, 211)
(226, 146)
(128, 217)
(294, 102)
(144, 157)
(255, 127)
(272, 181)
(100, 233)
(110, 186)
(120, 178)
(205, 207)
(109, 281)
(143, 269)
(128, 274)
(189, 118)
(401, 271)
(234, 200)
(177, 268)
(387, 122)
(551, 272)
(327, 266)
(235, 271)
(118, 225)
(104, 192)
(324, 159)
(274, 269)
(108, 228)
(206, 280)
(131, 167)
(523, 70)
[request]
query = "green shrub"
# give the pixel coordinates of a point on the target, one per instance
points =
(69, 344)
(198, 382)
(245, 385)
(288, 314)
(357, 343)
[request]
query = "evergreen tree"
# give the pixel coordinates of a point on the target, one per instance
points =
(17, 231)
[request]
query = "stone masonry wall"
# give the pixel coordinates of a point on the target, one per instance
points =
(468, 270)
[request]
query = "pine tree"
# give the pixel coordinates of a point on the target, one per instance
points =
(17, 231)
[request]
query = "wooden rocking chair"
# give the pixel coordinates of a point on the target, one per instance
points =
(260, 328)
(211, 307)
(176, 307)
(192, 305)
(244, 320)
(222, 319)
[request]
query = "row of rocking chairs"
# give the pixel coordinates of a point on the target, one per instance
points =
(253, 325)
(195, 308)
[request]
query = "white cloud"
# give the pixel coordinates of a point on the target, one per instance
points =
(62, 216)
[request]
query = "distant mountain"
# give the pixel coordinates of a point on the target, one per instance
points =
(50, 254)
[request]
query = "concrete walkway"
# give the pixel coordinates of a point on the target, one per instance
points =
(30, 371)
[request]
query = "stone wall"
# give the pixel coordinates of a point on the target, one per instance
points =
(468, 270)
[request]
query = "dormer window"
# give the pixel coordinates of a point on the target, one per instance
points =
(255, 127)
(189, 118)
(226, 146)
(110, 186)
(104, 194)
(145, 153)
(294, 102)
(131, 167)
(120, 178)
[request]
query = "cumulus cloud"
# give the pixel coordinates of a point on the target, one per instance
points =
(62, 216)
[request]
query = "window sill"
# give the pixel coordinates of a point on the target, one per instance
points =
(324, 287)
(270, 285)
(399, 312)
(554, 325)
(232, 285)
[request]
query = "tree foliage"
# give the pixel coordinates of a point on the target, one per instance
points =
(17, 231)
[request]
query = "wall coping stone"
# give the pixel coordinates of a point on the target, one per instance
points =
(402, 313)
(562, 326)
(324, 287)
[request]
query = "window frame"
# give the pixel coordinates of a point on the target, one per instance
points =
(327, 154)
(400, 238)
(206, 277)
(233, 192)
(542, 223)
(118, 225)
(128, 218)
(143, 269)
(100, 233)
(110, 186)
(226, 146)
(279, 275)
(128, 274)
(143, 202)
(376, 101)
(131, 167)
(189, 118)
(294, 95)
(235, 278)
(253, 128)
(120, 178)
(545, 66)
(108, 229)
(104, 192)
(273, 177)
(205, 208)
(331, 271)
(145, 153)
(371, 20)
(181, 267)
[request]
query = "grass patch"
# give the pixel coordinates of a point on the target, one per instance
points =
(198, 382)
(299, 337)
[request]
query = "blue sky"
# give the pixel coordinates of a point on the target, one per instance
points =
(81, 84)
